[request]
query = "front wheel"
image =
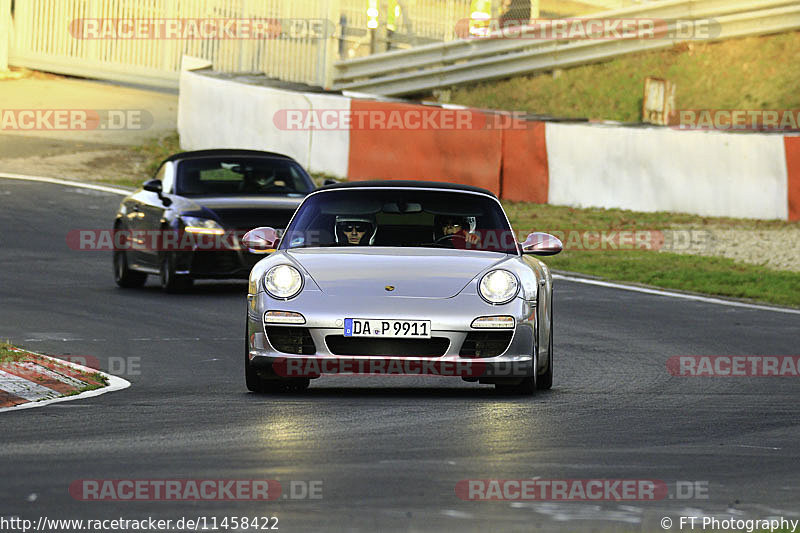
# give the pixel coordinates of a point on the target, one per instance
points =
(170, 281)
(526, 387)
(545, 381)
(123, 275)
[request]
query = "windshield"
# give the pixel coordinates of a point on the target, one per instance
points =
(415, 218)
(214, 176)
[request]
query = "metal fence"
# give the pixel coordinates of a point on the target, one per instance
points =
(5, 32)
(444, 65)
(43, 37)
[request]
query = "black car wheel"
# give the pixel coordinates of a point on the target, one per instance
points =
(124, 276)
(545, 381)
(527, 386)
(170, 281)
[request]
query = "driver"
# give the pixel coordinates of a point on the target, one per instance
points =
(355, 230)
(461, 229)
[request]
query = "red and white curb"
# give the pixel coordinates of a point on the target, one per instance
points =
(45, 380)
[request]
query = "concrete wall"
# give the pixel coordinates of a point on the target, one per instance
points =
(215, 113)
(741, 175)
(659, 169)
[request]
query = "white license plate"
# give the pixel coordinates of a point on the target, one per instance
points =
(376, 327)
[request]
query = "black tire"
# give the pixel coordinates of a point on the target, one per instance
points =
(526, 387)
(124, 276)
(545, 381)
(170, 281)
(256, 383)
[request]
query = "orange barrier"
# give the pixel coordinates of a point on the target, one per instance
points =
(792, 145)
(525, 176)
(406, 141)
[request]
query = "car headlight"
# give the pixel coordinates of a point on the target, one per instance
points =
(203, 226)
(283, 282)
(498, 286)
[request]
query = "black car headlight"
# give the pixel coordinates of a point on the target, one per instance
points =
(202, 226)
(283, 282)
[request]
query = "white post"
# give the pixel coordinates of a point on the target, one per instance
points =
(328, 47)
(5, 32)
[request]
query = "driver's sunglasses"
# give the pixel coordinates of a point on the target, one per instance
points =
(349, 228)
(452, 225)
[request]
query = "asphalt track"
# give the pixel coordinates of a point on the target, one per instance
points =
(389, 451)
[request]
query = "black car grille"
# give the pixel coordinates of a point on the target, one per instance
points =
(433, 347)
(215, 262)
(295, 340)
(485, 343)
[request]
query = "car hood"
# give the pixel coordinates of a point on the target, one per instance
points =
(413, 272)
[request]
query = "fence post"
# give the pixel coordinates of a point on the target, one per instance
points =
(5, 33)
(328, 47)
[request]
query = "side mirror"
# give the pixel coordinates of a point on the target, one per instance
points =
(261, 240)
(541, 244)
(329, 181)
(153, 186)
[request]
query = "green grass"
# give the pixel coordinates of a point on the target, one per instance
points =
(7, 355)
(707, 275)
(156, 150)
(749, 73)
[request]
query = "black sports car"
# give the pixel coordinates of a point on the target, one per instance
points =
(186, 223)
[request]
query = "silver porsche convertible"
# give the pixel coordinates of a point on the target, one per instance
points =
(399, 277)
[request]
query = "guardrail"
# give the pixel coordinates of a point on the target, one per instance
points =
(435, 66)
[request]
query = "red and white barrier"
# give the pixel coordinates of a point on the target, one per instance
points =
(741, 175)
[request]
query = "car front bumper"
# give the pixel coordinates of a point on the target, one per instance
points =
(450, 319)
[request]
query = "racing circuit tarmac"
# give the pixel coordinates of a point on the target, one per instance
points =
(389, 451)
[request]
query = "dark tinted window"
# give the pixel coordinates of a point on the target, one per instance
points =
(400, 217)
(212, 176)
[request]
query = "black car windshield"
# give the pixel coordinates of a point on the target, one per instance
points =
(417, 218)
(214, 176)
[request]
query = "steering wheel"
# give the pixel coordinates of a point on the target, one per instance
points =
(450, 239)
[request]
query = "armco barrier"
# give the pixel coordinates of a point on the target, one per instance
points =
(471, 156)
(525, 175)
(792, 145)
(660, 169)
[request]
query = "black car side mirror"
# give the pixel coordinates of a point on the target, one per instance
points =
(155, 186)
(329, 181)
